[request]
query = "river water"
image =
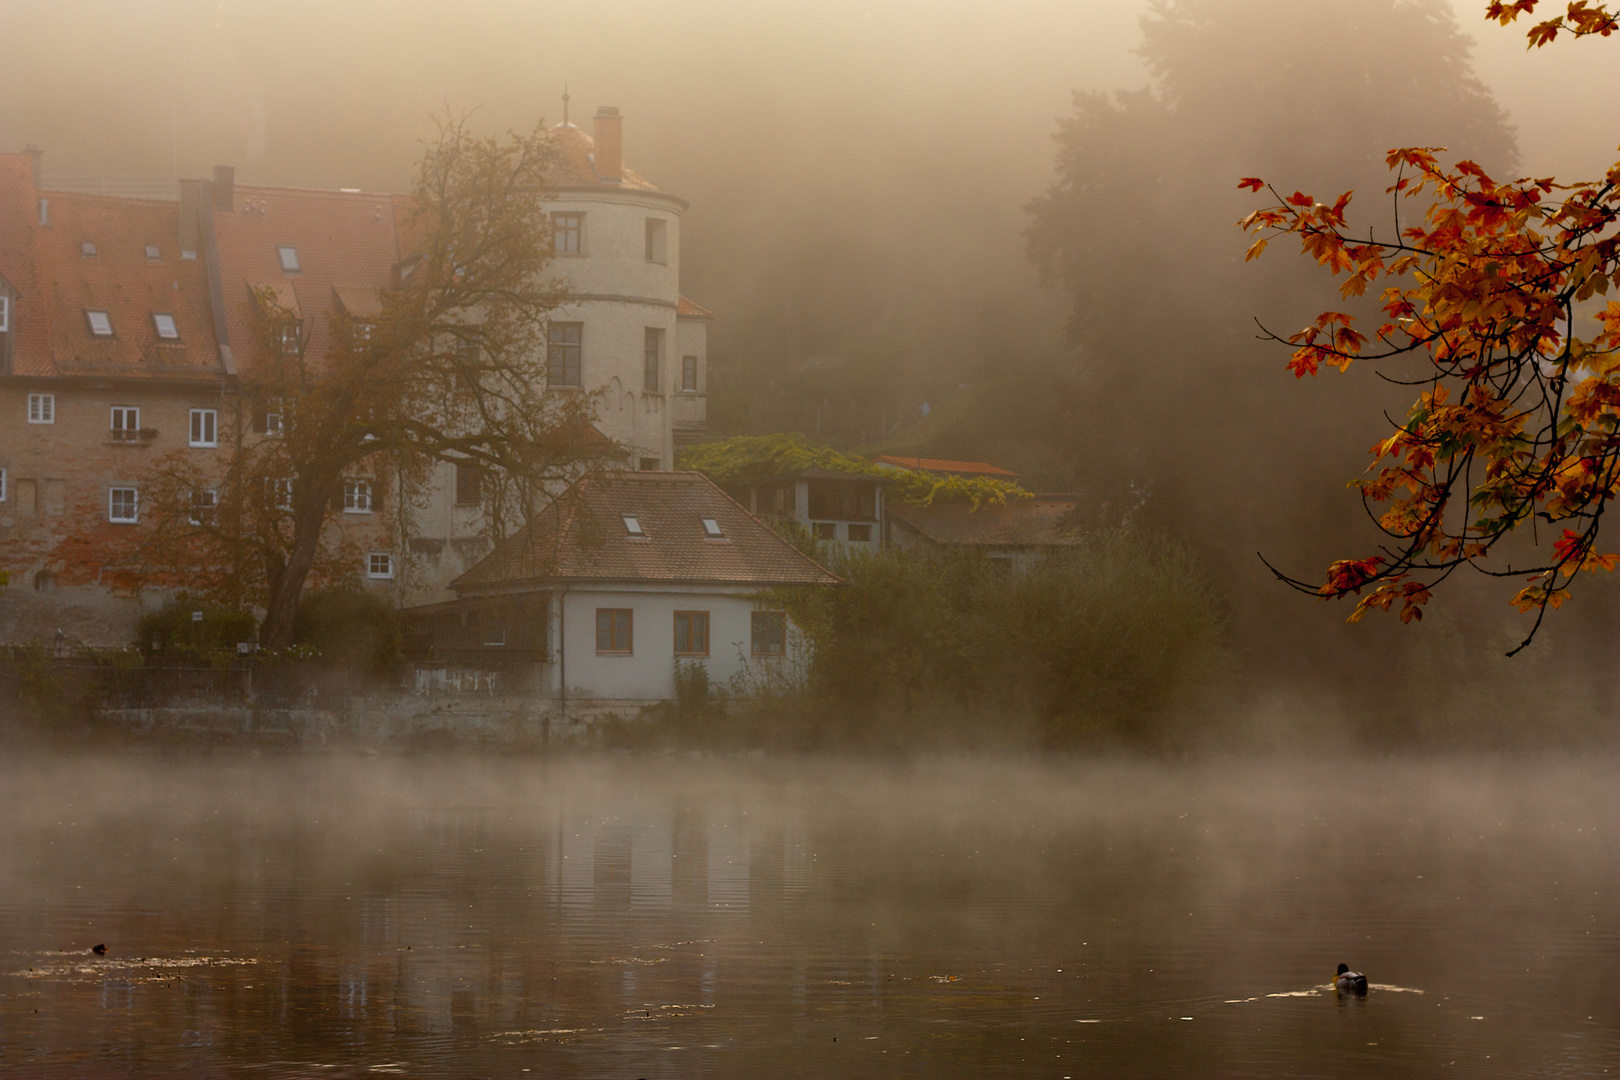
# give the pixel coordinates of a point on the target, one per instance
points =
(608, 916)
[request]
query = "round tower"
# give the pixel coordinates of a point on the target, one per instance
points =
(624, 334)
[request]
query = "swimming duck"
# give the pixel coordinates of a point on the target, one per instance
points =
(99, 950)
(1347, 981)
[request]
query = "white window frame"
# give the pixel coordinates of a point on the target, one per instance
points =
(357, 497)
(2, 484)
(578, 230)
(281, 492)
(274, 407)
(134, 515)
(158, 324)
(106, 320)
(208, 503)
(379, 565)
(282, 253)
(5, 313)
(208, 419)
(124, 433)
(42, 408)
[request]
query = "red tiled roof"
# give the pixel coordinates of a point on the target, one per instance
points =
(343, 239)
(1043, 521)
(58, 284)
(686, 309)
(940, 465)
(573, 167)
(582, 536)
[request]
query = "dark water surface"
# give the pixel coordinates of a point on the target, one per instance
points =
(649, 917)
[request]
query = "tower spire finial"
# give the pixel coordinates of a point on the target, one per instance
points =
(565, 103)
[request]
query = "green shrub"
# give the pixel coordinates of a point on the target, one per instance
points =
(1100, 641)
(348, 627)
(174, 627)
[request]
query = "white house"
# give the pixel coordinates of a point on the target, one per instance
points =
(620, 580)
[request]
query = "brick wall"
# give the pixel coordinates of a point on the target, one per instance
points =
(54, 518)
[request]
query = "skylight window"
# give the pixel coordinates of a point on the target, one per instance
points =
(289, 258)
(154, 253)
(711, 528)
(100, 323)
(87, 249)
(165, 326)
(632, 525)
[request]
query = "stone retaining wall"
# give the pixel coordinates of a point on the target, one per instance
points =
(405, 718)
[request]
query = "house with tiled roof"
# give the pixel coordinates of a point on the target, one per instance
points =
(108, 362)
(127, 327)
(618, 582)
(1018, 531)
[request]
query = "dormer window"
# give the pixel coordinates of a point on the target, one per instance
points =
(289, 258)
(164, 324)
(100, 323)
(632, 525)
(87, 250)
(154, 253)
(711, 529)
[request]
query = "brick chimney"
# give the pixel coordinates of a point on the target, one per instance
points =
(225, 187)
(609, 144)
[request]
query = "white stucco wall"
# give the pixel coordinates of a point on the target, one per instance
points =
(621, 294)
(648, 672)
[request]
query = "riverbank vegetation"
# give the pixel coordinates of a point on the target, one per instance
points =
(1110, 642)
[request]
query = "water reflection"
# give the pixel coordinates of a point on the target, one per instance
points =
(669, 917)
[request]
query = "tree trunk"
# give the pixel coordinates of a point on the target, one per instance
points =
(276, 633)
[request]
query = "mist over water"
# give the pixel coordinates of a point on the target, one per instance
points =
(664, 916)
(866, 184)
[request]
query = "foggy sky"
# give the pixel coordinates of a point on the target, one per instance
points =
(281, 89)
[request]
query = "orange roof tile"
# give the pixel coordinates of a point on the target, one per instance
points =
(58, 284)
(341, 239)
(686, 309)
(941, 465)
(358, 301)
(1042, 521)
(581, 535)
(574, 166)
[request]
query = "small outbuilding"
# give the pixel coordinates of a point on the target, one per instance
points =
(841, 508)
(621, 580)
(1017, 532)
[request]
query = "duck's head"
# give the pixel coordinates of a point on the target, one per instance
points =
(1343, 968)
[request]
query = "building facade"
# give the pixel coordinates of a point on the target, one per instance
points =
(627, 338)
(108, 365)
(622, 580)
(125, 324)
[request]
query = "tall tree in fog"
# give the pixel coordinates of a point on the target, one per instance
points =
(450, 366)
(1177, 395)
(1488, 301)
